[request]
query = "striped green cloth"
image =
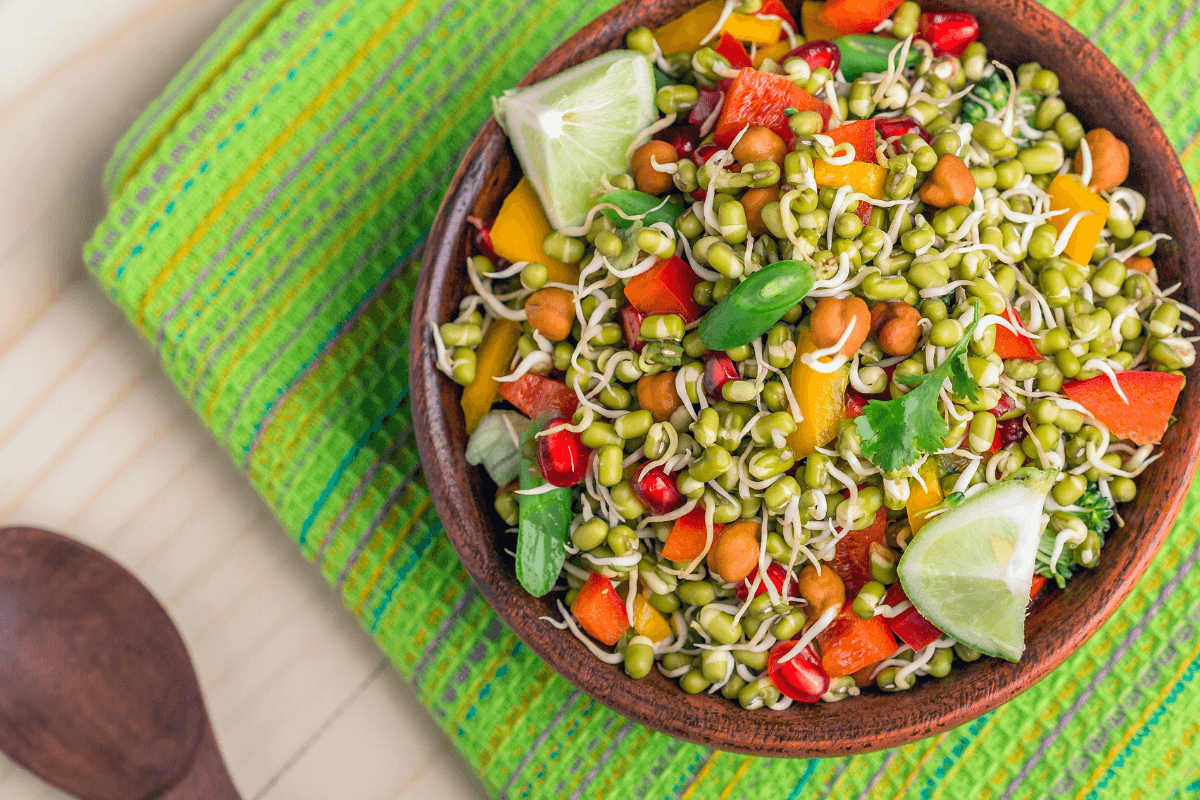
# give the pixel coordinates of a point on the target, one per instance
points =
(266, 214)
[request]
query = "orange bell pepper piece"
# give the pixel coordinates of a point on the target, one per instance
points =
(862, 177)
(857, 16)
(685, 33)
(1067, 192)
(1144, 418)
(920, 500)
(536, 394)
(492, 360)
(810, 21)
(685, 542)
(761, 98)
(749, 28)
(850, 643)
(600, 610)
(822, 400)
(519, 230)
(1014, 345)
(647, 620)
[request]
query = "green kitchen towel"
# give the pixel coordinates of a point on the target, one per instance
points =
(266, 215)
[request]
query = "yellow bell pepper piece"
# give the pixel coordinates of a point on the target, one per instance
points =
(810, 22)
(492, 361)
(519, 230)
(859, 175)
(749, 28)
(919, 500)
(822, 400)
(647, 620)
(775, 52)
(1067, 192)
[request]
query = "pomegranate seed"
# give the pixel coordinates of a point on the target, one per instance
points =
(817, 53)
(719, 369)
(683, 138)
(801, 678)
(656, 489)
(562, 455)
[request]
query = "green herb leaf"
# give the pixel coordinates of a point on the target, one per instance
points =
(633, 203)
(895, 433)
(545, 520)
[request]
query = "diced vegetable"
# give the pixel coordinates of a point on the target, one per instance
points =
(760, 98)
(686, 540)
(686, 33)
(733, 51)
(647, 620)
(755, 304)
(600, 610)
(852, 556)
(862, 177)
(857, 16)
(545, 519)
(776, 52)
(1144, 418)
(802, 677)
(861, 135)
(1067, 192)
(1038, 582)
(921, 500)
(850, 643)
(821, 397)
(492, 360)
(536, 394)
(949, 32)
(810, 21)
(634, 203)
(1014, 345)
(909, 626)
(776, 575)
(776, 8)
(863, 53)
(706, 104)
(895, 127)
(666, 288)
(519, 230)
(493, 444)
(749, 28)
(631, 325)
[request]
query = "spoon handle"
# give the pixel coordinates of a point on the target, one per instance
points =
(207, 778)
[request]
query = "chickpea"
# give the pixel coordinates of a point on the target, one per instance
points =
(1139, 263)
(895, 327)
(950, 184)
(647, 178)
(823, 591)
(833, 315)
(551, 313)
(735, 555)
(1110, 160)
(760, 144)
(656, 394)
(753, 201)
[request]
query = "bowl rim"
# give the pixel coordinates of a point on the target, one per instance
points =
(933, 706)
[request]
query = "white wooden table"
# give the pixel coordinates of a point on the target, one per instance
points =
(94, 441)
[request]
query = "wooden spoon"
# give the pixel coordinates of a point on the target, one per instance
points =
(97, 694)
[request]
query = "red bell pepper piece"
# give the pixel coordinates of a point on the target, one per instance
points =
(600, 610)
(562, 455)
(1038, 582)
(860, 134)
(656, 489)
(1014, 345)
(850, 643)
(704, 153)
(631, 324)
(855, 403)
(686, 540)
(817, 53)
(535, 394)
(896, 127)
(949, 32)
(719, 369)
(776, 574)
(733, 51)
(910, 626)
(857, 16)
(759, 98)
(852, 556)
(1144, 418)
(802, 677)
(666, 288)
(684, 138)
(776, 8)
(706, 104)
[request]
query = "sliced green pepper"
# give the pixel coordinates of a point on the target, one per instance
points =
(545, 520)
(863, 53)
(755, 305)
(634, 203)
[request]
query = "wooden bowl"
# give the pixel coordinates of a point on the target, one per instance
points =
(1015, 31)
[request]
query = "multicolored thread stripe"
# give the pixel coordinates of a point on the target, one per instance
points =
(265, 215)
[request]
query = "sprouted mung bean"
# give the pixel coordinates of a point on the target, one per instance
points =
(834, 293)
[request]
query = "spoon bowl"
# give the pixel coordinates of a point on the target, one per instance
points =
(97, 693)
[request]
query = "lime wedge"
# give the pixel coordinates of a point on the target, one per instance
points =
(969, 569)
(570, 129)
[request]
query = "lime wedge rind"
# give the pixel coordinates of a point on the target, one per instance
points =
(969, 569)
(574, 127)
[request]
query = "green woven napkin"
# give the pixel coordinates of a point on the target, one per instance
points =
(266, 213)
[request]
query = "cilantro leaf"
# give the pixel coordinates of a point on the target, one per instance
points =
(896, 432)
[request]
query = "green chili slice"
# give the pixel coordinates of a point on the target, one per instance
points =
(862, 53)
(636, 204)
(755, 305)
(544, 521)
